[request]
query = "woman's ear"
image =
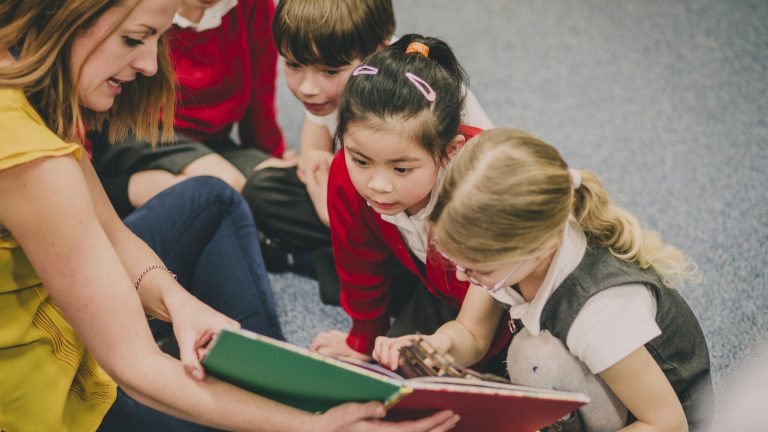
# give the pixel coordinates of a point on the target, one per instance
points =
(455, 145)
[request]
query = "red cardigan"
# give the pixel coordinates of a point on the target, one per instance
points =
(228, 75)
(363, 244)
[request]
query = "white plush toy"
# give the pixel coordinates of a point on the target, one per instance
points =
(543, 361)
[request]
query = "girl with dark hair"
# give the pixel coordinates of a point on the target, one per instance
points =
(399, 124)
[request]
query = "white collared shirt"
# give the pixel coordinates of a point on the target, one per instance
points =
(211, 17)
(610, 326)
(414, 229)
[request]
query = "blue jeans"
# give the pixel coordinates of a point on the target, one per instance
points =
(204, 232)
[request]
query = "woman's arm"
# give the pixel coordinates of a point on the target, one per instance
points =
(640, 384)
(133, 253)
(48, 208)
(195, 323)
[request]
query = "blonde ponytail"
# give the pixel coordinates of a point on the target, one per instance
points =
(518, 193)
(621, 232)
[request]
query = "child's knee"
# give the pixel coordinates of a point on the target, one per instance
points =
(216, 166)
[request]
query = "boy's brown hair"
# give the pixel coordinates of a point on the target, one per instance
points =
(331, 32)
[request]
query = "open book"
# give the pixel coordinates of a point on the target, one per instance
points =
(314, 382)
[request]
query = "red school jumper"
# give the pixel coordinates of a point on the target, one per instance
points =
(363, 244)
(227, 75)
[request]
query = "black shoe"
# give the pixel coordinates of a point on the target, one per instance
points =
(278, 259)
(327, 278)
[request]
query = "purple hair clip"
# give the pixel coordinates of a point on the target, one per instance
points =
(422, 86)
(365, 70)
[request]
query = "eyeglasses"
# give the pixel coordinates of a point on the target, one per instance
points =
(474, 281)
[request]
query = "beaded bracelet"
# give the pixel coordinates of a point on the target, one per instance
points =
(149, 269)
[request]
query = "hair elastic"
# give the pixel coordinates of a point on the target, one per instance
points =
(422, 86)
(365, 70)
(575, 178)
(417, 47)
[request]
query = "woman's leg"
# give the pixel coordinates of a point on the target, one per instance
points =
(203, 231)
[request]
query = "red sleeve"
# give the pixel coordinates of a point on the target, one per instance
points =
(361, 259)
(259, 127)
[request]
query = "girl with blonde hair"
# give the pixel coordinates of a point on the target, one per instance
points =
(592, 288)
(76, 353)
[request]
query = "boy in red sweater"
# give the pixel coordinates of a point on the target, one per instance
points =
(321, 43)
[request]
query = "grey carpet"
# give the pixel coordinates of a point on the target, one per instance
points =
(666, 100)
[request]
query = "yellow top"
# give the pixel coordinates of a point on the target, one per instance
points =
(48, 381)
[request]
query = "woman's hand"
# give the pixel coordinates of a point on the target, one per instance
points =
(334, 343)
(352, 417)
(386, 350)
(195, 324)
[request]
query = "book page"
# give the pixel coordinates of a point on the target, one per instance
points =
(464, 384)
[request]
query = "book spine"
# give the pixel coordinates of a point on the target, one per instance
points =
(397, 397)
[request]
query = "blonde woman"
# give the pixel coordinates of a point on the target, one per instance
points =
(75, 284)
(590, 286)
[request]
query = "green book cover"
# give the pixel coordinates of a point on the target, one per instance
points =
(293, 375)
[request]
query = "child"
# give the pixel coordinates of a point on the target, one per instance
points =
(74, 282)
(399, 123)
(321, 43)
(590, 285)
(226, 67)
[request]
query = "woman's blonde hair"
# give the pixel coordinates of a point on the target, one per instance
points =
(40, 33)
(507, 193)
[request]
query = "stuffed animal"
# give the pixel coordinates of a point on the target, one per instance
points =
(543, 361)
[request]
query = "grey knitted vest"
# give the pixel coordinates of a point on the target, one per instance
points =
(680, 350)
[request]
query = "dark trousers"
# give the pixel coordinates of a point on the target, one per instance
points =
(204, 232)
(286, 216)
(283, 210)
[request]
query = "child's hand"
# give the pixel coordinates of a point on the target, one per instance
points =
(311, 161)
(334, 343)
(387, 350)
(317, 189)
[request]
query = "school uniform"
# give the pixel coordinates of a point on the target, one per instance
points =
(368, 248)
(601, 309)
(285, 214)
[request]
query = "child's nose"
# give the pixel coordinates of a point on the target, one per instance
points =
(309, 85)
(380, 184)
